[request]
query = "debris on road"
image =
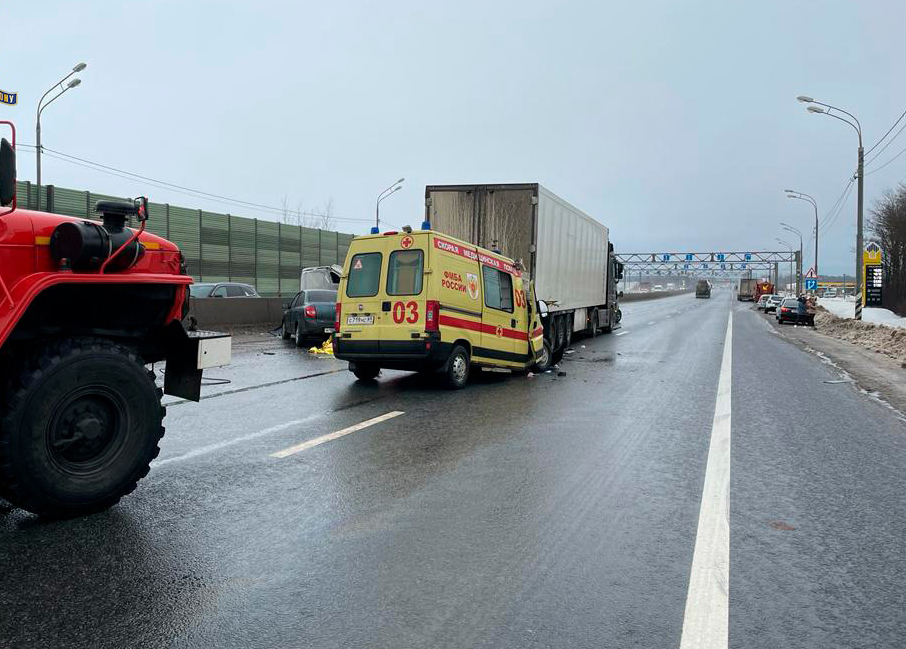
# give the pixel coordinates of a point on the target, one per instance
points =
(326, 348)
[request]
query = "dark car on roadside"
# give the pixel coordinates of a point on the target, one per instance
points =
(309, 316)
(222, 289)
(788, 311)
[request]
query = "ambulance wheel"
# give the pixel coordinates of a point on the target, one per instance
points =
(78, 428)
(592, 329)
(457, 373)
(544, 362)
(365, 372)
(284, 332)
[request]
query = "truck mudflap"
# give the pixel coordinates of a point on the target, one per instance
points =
(189, 354)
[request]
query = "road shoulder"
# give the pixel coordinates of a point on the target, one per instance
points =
(876, 374)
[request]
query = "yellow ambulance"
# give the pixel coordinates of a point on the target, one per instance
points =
(427, 302)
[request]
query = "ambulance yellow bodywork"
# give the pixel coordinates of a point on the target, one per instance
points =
(425, 301)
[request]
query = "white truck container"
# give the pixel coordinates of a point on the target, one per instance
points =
(565, 251)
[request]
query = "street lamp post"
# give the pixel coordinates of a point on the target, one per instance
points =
(790, 193)
(790, 228)
(394, 187)
(825, 109)
(779, 240)
(41, 106)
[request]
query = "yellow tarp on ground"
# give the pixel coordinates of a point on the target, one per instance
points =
(326, 348)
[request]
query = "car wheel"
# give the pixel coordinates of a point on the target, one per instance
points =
(284, 332)
(299, 339)
(457, 373)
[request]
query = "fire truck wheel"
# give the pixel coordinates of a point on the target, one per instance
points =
(457, 374)
(79, 428)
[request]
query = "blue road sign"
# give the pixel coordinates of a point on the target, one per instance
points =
(722, 266)
(811, 284)
(704, 265)
(720, 256)
(742, 265)
(666, 257)
(688, 256)
(748, 256)
(686, 266)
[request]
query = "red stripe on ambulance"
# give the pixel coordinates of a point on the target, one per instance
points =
(469, 253)
(471, 325)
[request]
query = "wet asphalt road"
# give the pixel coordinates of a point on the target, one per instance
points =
(552, 511)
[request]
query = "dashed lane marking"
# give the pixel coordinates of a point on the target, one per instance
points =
(292, 450)
(706, 620)
(203, 450)
(651, 323)
(622, 333)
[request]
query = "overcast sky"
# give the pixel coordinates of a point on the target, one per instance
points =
(674, 123)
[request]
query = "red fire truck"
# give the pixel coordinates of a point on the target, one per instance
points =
(85, 307)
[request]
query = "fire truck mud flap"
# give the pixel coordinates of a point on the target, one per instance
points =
(189, 356)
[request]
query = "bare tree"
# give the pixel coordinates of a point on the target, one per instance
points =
(322, 218)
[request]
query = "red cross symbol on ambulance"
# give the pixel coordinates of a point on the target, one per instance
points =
(406, 242)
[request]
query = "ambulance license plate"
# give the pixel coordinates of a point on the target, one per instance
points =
(359, 319)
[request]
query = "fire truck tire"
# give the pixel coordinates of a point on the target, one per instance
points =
(79, 428)
(457, 373)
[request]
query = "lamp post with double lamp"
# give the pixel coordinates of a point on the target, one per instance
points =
(791, 193)
(395, 187)
(831, 111)
(790, 228)
(41, 106)
(790, 246)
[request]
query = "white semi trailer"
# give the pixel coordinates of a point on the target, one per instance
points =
(565, 251)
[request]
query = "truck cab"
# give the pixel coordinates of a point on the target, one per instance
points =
(427, 302)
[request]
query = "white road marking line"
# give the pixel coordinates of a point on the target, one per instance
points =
(622, 333)
(651, 323)
(706, 620)
(292, 450)
(236, 440)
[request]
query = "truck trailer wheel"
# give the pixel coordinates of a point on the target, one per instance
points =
(79, 428)
(592, 329)
(457, 373)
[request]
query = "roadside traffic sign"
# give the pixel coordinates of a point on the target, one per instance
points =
(720, 256)
(811, 284)
(666, 257)
(748, 256)
(688, 256)
(811, 273)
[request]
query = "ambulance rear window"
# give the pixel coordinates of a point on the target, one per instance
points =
(364, 275)
(404, 273)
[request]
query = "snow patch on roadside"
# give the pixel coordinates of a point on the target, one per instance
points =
(847, 309)
(879, 338)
